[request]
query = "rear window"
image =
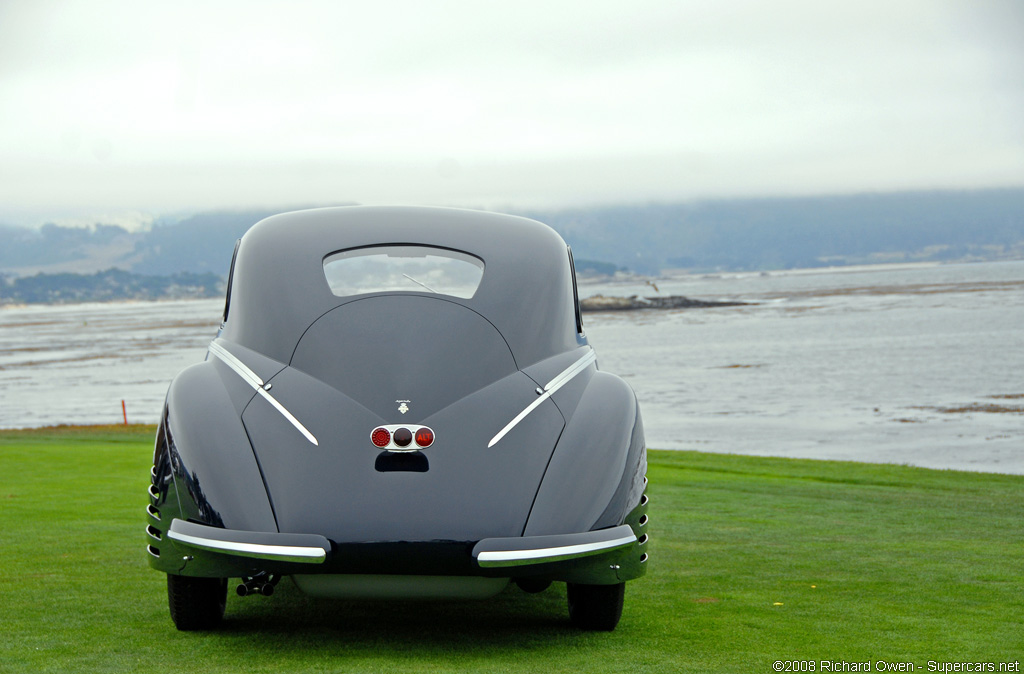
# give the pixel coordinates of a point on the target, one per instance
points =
(403, 268)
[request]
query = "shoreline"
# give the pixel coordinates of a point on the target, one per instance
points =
(150, 429)
(601, 281)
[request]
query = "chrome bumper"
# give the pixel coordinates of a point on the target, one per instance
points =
(300, 548)
(504, 552)
(600, 557)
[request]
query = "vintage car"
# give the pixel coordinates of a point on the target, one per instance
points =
(400, 402)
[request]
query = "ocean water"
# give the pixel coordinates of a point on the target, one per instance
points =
(915, 364)
(919, 365)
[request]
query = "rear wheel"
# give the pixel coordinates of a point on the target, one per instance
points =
(595, 607)
(196, 603)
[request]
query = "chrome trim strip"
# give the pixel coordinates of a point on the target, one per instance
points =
(150, 549)
(153, 532)
(153, 512)
(284, 553)
(153, 493)
(519, 417)
(642, 522)
(643, 558)
(287, 415)
(235, 364)
(560, 380)
(571, 371)
(643, 540)
(543, 555)
(152, 472)
(257, 384)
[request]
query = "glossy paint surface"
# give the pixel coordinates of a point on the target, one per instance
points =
(279, 288)
(272, 434)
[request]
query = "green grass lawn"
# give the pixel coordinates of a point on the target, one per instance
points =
(753, 560)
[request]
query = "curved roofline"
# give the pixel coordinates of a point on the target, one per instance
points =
(279, 288)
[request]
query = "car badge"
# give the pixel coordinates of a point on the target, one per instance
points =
(403, 407)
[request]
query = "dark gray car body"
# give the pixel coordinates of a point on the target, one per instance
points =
(237, 485)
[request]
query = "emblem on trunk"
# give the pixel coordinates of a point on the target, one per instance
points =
(403, 407)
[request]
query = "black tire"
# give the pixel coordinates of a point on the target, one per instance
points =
(595, 607)
(196, 603)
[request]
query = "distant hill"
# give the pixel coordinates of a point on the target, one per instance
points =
(112, 284)
(65, 249)
(780, 233)
(201, 243)
(735, 234)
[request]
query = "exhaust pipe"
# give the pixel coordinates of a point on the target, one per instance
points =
(262, 584)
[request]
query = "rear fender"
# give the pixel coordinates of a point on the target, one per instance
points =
(204, 467)
(589, 480)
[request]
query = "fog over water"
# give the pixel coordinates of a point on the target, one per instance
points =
(916, 365)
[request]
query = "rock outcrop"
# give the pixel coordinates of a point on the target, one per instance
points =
(603, 303)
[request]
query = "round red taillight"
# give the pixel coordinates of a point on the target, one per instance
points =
(424, 437)
(403, 436)
(381, 437)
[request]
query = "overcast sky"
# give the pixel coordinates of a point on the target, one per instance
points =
(122, 110)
